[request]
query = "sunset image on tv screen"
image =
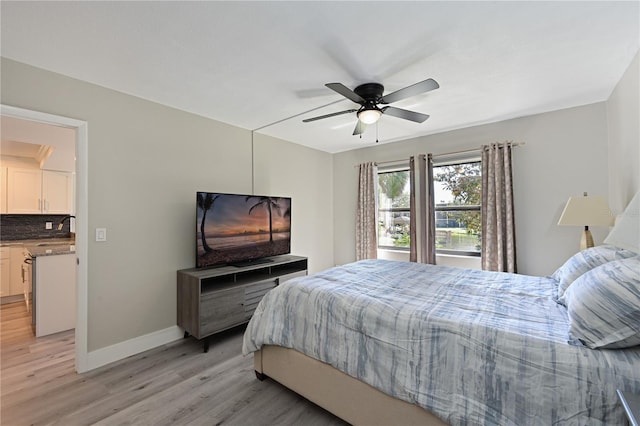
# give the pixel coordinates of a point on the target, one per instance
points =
(233, 227)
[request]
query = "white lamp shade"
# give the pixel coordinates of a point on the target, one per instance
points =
(586, 210)
(369, 116)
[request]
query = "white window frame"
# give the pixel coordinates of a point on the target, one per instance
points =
(478, 207)
(390, 169)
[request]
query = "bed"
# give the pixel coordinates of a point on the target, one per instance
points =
(386, 342)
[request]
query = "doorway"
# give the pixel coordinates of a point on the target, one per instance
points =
(81, 213)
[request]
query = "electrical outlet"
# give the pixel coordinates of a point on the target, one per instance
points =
(48, 225)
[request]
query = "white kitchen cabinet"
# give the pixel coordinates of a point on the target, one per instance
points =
(54, 298)
(17, 259)
(26, 284)
(24, 190)
(12, 260)
(39, 191)
(3, 190)
(5, 270)
(57, 192)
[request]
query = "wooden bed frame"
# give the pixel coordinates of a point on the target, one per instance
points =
(348, 398)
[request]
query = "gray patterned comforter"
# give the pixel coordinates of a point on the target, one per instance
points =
(473, 347)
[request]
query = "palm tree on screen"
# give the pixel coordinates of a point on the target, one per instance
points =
(270, 203)
(205, 202)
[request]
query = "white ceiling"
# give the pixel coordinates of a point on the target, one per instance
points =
(17, 134)
(37, 144)
(252, 64)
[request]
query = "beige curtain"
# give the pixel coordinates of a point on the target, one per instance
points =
(430, 235)
(366, 219)
(421, 202)
(498, 224)
(413, 214)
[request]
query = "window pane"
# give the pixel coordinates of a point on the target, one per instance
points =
(455, 231)
(393, 204)
(393, 229)
(458, 185)
(393, 189)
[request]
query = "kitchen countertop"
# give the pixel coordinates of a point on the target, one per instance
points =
(44, 247)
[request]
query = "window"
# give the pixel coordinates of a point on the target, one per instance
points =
(457, 197)
(393, 209)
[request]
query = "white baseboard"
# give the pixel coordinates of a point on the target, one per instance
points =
(130, 347)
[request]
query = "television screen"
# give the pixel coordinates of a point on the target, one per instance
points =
(235, 229)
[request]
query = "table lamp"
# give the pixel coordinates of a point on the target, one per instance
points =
(586, 211)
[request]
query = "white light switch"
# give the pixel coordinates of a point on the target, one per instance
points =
(48, 225)
(101, 234)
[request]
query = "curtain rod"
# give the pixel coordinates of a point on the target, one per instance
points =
(446, 154)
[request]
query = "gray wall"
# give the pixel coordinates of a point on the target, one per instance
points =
(565, 153)
(623, 117)
(288, 169)
(146, 161)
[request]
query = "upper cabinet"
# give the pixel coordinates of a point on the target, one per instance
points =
(39, 191)
(24, 191)
(57, 192)
(3, 190)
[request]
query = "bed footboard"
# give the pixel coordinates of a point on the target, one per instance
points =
(348, 398)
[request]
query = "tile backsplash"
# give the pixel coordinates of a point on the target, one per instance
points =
(32, 226)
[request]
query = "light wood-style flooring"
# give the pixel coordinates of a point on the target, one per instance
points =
(176, 384)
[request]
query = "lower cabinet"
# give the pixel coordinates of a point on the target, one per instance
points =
(12, 259)
(54, 293)
(216, 299)
(17, 260)
(5, 270)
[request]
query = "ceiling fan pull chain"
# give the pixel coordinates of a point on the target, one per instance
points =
(376, 132)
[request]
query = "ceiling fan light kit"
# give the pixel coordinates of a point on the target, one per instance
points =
(369, 115)
(370, 95)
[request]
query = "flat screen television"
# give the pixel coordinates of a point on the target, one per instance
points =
(236, 229)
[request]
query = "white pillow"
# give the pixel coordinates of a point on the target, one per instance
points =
(584, 261)
(626, 231)
(604, 306)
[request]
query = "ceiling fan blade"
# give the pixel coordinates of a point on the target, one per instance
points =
(320, 117)
(360, 128)
(346, 92)
(407, 92)
(406, 114)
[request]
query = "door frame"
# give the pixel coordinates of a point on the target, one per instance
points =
(82, 218)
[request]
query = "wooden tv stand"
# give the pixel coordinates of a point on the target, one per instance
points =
(216, 299)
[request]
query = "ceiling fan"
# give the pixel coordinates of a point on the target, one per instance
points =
(369, 96)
